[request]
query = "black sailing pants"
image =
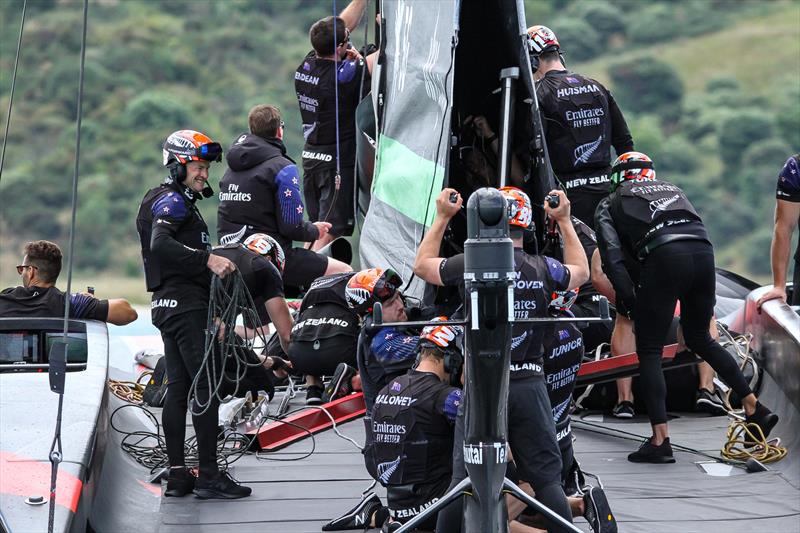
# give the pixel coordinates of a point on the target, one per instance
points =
(681, 270)
(184, 339)
(532, 438)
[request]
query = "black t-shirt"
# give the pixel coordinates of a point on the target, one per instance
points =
(536, 278)
(586, 235)
(260, 276)
(789, 188)
(49, 302)
(316, 94)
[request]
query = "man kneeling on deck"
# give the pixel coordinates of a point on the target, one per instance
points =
(324, 337)
(410, 441)
(39, 297)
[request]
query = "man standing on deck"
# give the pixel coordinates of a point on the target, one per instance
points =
(787, 217)
(328, 86)
(655, 251)
(38, 296)
(178, 263)
(582, 122)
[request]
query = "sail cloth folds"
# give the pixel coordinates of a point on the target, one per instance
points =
(412, 151)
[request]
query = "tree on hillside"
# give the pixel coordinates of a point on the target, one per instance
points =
(647, 85)
(578, 39)
(606, 19)
(741, 130)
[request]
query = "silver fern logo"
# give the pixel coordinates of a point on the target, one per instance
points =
(516, 341)
(662, 204)
(559, 409)
(233, 237)
(583, 152)
(385, 470)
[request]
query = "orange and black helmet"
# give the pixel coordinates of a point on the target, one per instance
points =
(369, 286)
(444, 337)
(631, 166)
(183, 146)
(268, 247)
(520, 213)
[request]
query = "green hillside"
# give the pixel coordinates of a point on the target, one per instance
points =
(711, 89)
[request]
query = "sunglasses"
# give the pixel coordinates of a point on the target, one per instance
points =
(21, 268)
(386, 287)
(346, 37)
(210, 152)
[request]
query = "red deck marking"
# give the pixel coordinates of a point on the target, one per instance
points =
(153, 489)
(25, 476)
(278, 434)
(630, 360)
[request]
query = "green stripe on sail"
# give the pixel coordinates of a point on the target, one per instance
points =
(403, 180)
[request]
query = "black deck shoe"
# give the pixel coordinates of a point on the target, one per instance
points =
(597, 512)
(647, 453)
(623, 410)
(221, 486)
(180, 482)
(764, 418)
(708, 402)
(314, 395)
(340, 383)
(358, 517)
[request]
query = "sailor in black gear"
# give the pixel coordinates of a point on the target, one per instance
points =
(39, 297)
(563, 353)
(260, 261)
(328, 84)
(260, 193)
(587, 301)
(178, 266)
(653, 223)
(787, 218)
(582, 122)
(327, 328)
(532, 435)
(411, 442)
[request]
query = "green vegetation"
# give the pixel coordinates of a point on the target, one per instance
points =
(711, 89)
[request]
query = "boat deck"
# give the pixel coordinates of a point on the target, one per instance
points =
(300, 496)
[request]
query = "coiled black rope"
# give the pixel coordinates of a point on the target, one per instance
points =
(225, 360)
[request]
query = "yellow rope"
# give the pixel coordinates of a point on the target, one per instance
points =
(129, 391)
(740, 432)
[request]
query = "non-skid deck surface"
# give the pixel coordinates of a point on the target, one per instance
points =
(300, 496)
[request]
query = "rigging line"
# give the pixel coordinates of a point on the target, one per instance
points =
(360, 98)
(55, 448)
(13, 85)
(338, 177)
